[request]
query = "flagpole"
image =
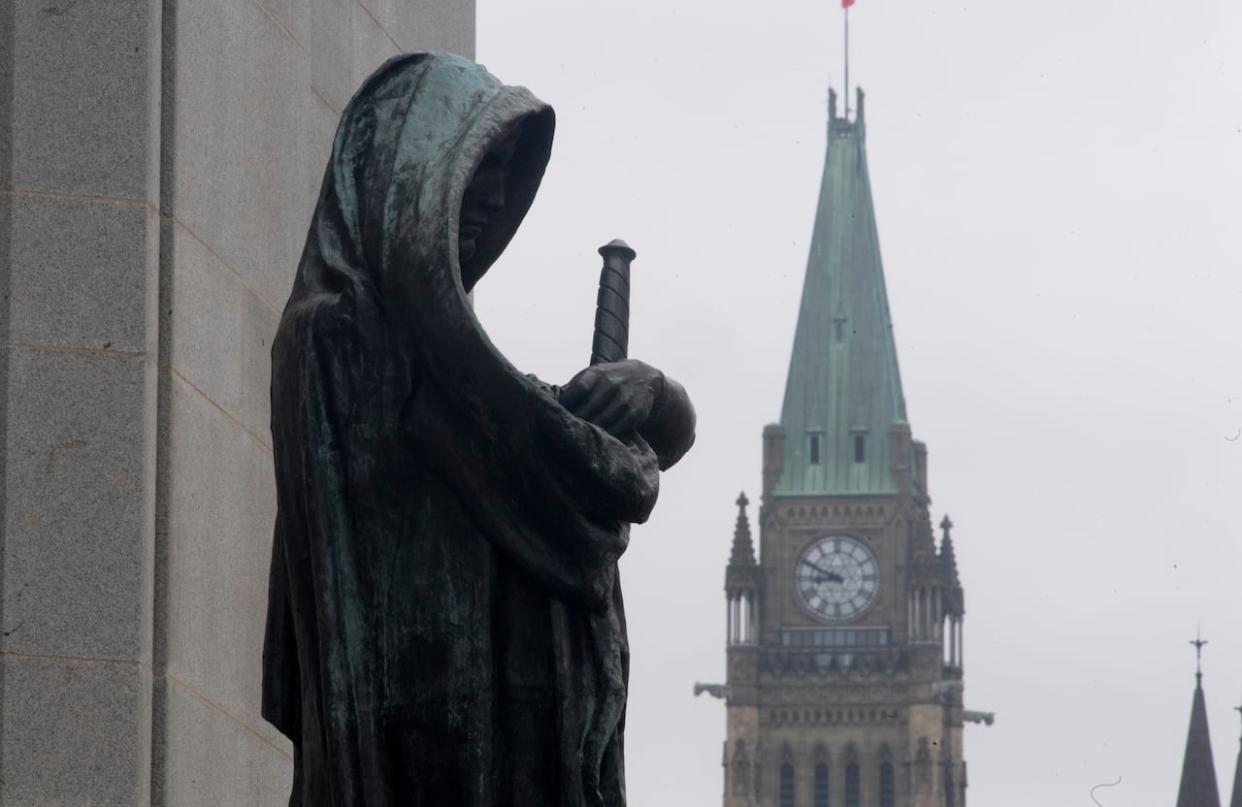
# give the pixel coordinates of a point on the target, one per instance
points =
(847, 63)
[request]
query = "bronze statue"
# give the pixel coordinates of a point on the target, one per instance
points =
(445, 625)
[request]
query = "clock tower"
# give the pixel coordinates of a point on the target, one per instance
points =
(844, 635)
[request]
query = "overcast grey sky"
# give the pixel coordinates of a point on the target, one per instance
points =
(1058, 187)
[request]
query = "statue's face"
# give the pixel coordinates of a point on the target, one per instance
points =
(481, 203)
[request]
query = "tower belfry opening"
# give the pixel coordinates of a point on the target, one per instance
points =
(845, 649)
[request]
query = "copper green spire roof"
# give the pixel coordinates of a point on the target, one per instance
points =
(843, 392)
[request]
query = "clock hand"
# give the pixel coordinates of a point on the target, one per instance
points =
(815, 566)
(831, 575)
(825, 574)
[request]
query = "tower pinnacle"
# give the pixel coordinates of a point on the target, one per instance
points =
(743, 553)
(948, 556)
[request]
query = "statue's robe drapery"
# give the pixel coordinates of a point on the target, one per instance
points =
(445, 627)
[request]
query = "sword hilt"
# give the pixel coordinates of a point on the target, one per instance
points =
(612, 306)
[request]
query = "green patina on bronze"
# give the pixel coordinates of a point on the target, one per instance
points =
(445, 623)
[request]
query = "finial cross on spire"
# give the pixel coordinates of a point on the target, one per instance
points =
(742, 501)
(946, 524)
(1198, 642)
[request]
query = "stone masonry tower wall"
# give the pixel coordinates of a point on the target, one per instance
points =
(844, 633)
(159, 161)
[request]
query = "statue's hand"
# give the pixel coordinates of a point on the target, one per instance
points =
(617, 396)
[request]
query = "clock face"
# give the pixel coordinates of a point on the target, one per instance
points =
(837, 577)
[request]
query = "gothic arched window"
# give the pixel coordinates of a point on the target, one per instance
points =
(821, 785)
(853, 786)
(888, 798)
(787, 785)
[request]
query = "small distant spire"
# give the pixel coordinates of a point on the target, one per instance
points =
(1236, 799)
(1198, 786)
(743, 548)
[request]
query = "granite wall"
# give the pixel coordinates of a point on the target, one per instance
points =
(159, 162)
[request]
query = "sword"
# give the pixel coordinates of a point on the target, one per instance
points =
(612, 306)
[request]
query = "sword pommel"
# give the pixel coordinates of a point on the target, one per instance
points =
(620, 248)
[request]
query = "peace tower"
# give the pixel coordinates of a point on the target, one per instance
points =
(845, 635)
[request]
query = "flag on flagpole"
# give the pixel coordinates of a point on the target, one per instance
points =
(846, 3)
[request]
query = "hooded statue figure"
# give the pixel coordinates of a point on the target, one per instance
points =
(445, 625)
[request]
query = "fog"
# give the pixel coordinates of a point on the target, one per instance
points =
(1058, 188)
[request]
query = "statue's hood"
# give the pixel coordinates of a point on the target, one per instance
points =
(405, 150)
(386, 227)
